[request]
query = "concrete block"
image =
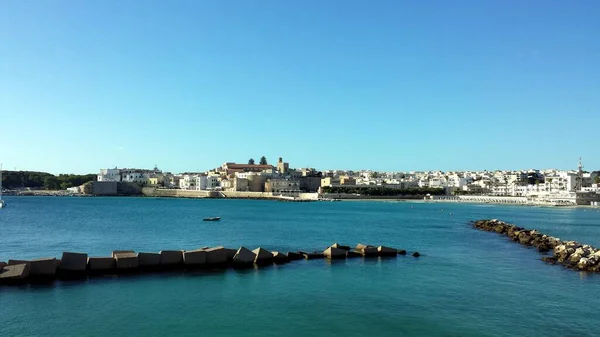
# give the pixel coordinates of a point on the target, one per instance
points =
(76, 262)
(334, 253)
(312, 256)
(101, 263)
(114, 252)
(387, 251)
(148, 260)
(351, 254)
(337, 245)
(194, 257)
(367, 250)
(14, 272)
(43, 267)
(171, 257)
(217, 255)
(263, 256)
(295, 256)
(14, 262)
(230, 253)
(244, 256)
(126, 260)
(280, 258)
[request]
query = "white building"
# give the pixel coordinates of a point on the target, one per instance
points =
(187, 182)
(212, 182)
(243, 175)
(201, 182)
(134, 176)
(109, 175)
(562, 181)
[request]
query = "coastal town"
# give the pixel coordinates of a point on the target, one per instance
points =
(281, 181)
(529, 186)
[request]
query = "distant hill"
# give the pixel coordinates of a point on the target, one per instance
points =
(43, 180)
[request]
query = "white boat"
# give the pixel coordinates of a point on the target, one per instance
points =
(2, 203)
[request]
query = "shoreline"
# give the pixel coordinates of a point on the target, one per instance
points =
(288, 199)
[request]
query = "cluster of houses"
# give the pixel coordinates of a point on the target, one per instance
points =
(280, 178)
(230, 176)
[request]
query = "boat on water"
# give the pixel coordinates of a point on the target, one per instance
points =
(2, 203)
(216, 218)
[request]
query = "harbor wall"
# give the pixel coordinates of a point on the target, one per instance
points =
(175, 193)
(347, 196)
(160, 192)
(480, 199)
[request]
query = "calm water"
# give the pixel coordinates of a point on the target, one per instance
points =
(467, 283)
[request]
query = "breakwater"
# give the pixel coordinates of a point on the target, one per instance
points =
(79, 265)
(570, 254)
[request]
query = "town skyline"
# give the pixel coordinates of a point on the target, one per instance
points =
(572, 167)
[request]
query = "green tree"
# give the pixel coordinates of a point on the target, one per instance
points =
(52, 183)
(251, 161)
(263, 160)
(65, 184)
(597, 180)
(23, 179)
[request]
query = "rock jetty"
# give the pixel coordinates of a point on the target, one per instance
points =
(80, 265)
(570, 254)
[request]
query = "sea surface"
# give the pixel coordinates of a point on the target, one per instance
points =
(466, 283)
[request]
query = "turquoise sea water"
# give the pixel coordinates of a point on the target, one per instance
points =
(467, 283)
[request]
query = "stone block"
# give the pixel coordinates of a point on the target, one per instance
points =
(351, 254)
(312, 256)
(280, 258)
(334, 253)
(217, 255)
(367, 250)
(244, 256)
(148, 260)
(416, 254)
(194, 257)
(337, 245)
(14, 272)
(295, 256)
(171, 257)
(402, 252)
(76, 262)
(114, 252)
(2, 265)
(263, 256)
(14, 262)
(230, 253)
(126, 260)
(387, 251)
(101, 263)
(43, 267)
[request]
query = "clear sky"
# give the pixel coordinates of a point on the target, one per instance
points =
(383, 85)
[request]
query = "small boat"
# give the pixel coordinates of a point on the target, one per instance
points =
(216, 218)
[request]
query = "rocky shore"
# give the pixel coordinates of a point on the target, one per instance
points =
(80, 265)
(571, 254)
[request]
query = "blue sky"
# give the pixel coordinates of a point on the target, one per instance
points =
(383, 85)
